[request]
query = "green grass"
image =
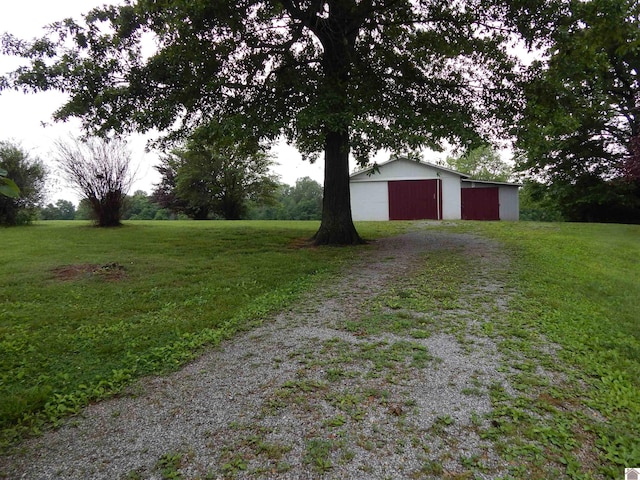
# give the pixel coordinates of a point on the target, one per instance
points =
(184, 285)
(162, 291)
(579, 287)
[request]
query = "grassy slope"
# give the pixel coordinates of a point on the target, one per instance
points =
(64, 343)
(581, 290)
(187, 284)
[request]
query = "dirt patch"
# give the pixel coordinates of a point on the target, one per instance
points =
(109, 271)
(299, 243)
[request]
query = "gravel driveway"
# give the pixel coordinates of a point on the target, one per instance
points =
(309, 394)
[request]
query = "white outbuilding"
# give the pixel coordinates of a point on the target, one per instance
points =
(404, 189)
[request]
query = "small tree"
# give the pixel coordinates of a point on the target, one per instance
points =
(28, 177)
(100, 170)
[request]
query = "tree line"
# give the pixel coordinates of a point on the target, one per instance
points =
(202, 185)
(347, 78)
(208, 183)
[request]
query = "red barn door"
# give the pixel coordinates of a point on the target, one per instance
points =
(480, 204)
(415, 199)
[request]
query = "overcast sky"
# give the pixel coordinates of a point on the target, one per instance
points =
(26, 118)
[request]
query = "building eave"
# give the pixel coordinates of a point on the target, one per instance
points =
(491, 182)
(370, 171)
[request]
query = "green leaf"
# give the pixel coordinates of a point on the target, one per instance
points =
(8, 188)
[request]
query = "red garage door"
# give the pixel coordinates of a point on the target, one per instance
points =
(480, 204)
(415, 199)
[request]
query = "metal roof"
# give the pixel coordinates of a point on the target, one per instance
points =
(463, 176)
(492, 182)
(419, 162)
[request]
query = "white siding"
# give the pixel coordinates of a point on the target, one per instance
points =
(369, 200)
(509, 203)
(451, 197)
(401, 170)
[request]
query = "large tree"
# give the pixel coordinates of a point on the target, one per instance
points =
(335, 76)
(580, 130)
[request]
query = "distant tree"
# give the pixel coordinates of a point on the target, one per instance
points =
(162, 214)
(84, 210)
(49, 212)
(482, 163)
(29, 176)
(139, 206)
(100, 170)
(214, 176)
(306, 198)
(164, 193)
(303, 201)
(62, 210)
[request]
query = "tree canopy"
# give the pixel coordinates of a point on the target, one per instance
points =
(335, 76)
(580, 130)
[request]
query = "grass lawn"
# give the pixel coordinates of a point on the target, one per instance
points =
(579, 287)
(146, 298)
(84, 310)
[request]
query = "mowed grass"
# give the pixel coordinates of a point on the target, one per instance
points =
(579, 287)
(179, 286)
(83, 311)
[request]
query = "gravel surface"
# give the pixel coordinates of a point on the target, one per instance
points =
(304, 397)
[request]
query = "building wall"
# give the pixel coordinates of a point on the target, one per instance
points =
(509, 203)
(370, 194)
(369, 200)
(508, 197)
(451, 197)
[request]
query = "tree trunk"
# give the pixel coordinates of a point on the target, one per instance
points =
(337, 226)
(338, 35)
(108, 210)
